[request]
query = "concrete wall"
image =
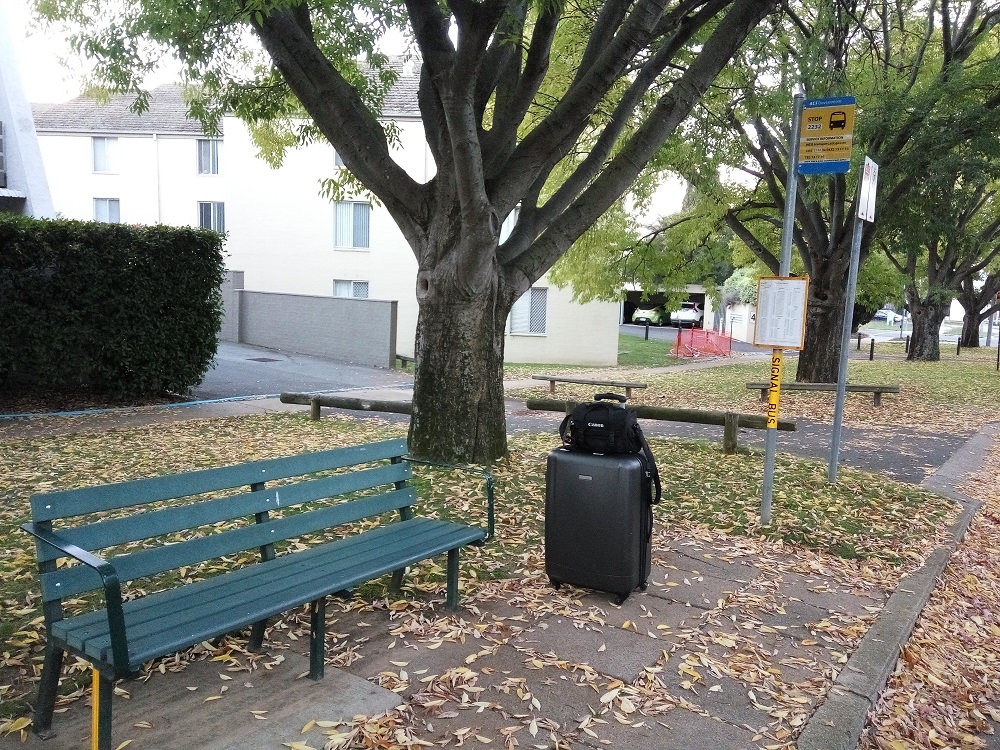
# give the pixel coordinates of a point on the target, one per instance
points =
(232, 287)
(575, 334)
(741, 322)
(360, 331)
(281, 229)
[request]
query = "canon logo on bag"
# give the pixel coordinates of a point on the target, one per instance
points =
(595, 424)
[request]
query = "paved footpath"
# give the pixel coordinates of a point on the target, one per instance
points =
(731, 646)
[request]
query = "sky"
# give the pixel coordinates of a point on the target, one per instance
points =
(43, 77)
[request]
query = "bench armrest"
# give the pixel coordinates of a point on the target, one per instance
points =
(489, 484)
(112, 590)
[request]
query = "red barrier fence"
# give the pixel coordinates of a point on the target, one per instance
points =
(696, 342)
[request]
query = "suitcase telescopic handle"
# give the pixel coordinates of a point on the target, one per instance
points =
(609, 397)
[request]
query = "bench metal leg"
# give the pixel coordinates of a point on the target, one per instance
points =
(257, 635)
(763, 394)
(876, 398)
(396, 585)
(48, 685)
(552, 387)
(451, 601)
(100, 711)
(317, 638)
(628, 393)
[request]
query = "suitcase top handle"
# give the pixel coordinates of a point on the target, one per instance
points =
(609, 397)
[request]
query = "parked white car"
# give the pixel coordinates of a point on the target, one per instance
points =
(690, 315)
(888, 316)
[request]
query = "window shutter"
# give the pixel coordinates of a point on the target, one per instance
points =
(360, 290)
(538, 309)
(362, 212)
(343, 219)
(520, 315)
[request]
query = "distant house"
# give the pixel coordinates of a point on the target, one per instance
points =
(23, 187)
(109, 164)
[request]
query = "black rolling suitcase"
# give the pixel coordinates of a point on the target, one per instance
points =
(599, 494)
(598, 521)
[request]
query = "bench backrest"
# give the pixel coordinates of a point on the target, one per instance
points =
(242, 513)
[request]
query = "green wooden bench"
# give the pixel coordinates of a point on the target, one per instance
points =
(875, 390)
(287, 551)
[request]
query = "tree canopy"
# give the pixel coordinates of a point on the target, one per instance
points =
(551, 108)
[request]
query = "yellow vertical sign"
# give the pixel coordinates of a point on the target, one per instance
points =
(774, 391)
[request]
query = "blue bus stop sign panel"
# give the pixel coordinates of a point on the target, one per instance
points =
(826, 135)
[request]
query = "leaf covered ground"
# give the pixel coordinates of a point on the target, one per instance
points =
(865, 529)
(876, 530)
(945, 692)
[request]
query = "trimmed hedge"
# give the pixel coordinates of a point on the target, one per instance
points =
(110, 309)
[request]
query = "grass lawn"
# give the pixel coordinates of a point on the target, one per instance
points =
(633, 352)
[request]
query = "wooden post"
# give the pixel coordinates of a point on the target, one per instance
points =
(871, 354)
(730, 436)
(314, 408)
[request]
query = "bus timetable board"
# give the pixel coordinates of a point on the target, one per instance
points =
(781, 312)
(826, 135)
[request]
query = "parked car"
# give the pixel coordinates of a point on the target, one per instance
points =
(690, 315)
(654, 316)
(891, 317)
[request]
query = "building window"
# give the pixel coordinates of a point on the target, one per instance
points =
(337, 161)
(529, 312)
(107, 210)
(104, 151)
(351, 221)
(348, 288)
(208, 155)
(212, 215)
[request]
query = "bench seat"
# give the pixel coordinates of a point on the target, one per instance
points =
(553, 379)
(875, 390)
(173, 620)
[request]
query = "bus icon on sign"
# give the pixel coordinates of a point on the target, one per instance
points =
(838, 119)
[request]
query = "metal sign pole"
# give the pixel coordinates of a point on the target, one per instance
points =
(845, 343)
(866, 212)
(774, 394)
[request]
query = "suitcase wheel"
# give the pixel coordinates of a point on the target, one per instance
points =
(619, 599)
(555, 584)
(644, 585)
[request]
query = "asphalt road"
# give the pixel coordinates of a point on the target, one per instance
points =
(241, 371)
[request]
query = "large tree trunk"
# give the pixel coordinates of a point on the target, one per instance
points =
(970, 330)
(458, 405)
(819, 361)
(927, 318)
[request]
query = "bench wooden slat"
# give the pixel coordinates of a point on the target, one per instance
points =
(160, 522)
(199, 610)
(148, 562)
(68, 503)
